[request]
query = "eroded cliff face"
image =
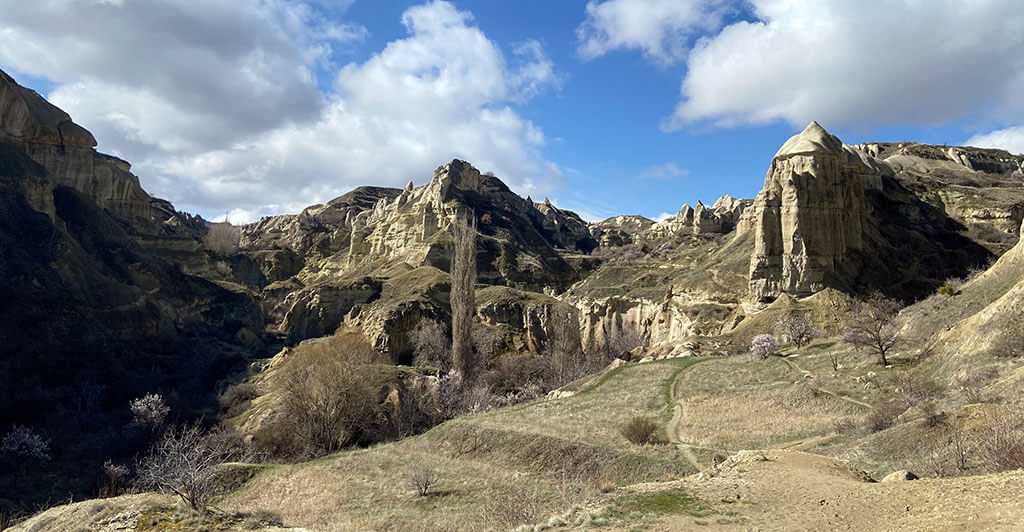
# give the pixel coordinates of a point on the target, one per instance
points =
(722, 217)
(67, 152)
(809, 219)
(895, 217)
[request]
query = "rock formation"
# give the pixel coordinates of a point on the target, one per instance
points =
(722, 217)
(809, 218)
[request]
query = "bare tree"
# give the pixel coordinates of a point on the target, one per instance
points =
(422, 479)
(874, 327)
(222, 238)
(564, 351)
(431, 346)
(798, 329)
(185, 462)
(463, 300)
(149, 412)
(330, 398)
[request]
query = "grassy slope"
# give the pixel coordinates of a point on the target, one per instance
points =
(545, 455)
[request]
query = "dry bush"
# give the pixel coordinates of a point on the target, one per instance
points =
(222, 238)
(185, 462)
(236, 399)
(639, 430)
(431, 346)
(916, 391)
(422, 479)
(971, 384)
(883, 416)
(1001, 443)
(331, 396)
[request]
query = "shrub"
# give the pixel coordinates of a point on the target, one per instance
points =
(639, 430)
(763, 345)
(149, 412)
(883, 416)
(185, 462)
(117, 477)
(22, 443)
(1001, 444)
(236, 398)
(422, 479)
(332, 395)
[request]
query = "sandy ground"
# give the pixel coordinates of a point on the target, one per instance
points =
(788, 490)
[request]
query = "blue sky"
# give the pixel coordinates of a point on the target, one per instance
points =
(258, 107)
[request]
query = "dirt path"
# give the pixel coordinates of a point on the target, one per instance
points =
(794, 366)
(672, 428)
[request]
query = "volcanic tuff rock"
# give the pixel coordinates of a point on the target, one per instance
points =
(722, 217)
(66, 150)
(94, 313)
(619, 230)
(809, 218)
(841, 216)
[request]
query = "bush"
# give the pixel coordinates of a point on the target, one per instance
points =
(149, 412)
(763, 345)
(883, 416)
(422, 479)
(334, 394)
(1001, 444)
(639, 430)
(22, 443)
(236, 399)
(185, 462)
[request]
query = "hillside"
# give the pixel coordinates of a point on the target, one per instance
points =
(343, 311)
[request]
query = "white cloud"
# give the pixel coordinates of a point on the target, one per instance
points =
(1009, 139)
(667, 171)
(661, 29)
(850, 63)
(663, 216)
(216, 103)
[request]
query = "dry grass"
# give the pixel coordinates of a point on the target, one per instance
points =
(739, 403)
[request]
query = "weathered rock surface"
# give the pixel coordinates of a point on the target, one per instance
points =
(619, 230)
(722, 217)
(895, 217)
(809, 218)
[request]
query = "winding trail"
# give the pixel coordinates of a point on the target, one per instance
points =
(672, 428)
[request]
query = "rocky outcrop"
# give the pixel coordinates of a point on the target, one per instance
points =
(722, 217)
(809, 219)
(619, 230)
(66, 150)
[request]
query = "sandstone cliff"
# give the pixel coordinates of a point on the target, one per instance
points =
(900, 218)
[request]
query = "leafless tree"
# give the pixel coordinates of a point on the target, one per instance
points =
(563, 349)
(463, 300)
(798, 328)
(422, 479)
(431, 346)
(222, 238)
(874, 327)
(330, 398)
(185, 462)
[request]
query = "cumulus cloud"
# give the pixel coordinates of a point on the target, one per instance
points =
(216, 103)
(1010, 139)
(661, 29)
(850, 63)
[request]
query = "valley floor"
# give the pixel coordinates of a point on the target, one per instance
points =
(562, 464)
